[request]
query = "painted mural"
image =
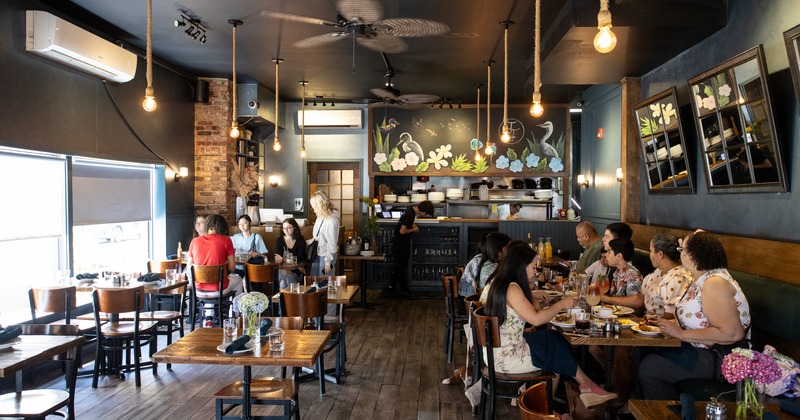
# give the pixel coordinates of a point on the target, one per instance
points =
(445, 142)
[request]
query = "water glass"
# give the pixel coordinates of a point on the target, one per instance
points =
(294, 287)
(275, 337)
(331, 290)
(171, 273)
(229, 328)
(583, 322)
(64, 277)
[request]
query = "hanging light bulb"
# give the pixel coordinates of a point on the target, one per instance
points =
(303, 115)
(478, 156)
(276, 146)
(605, 40)
(234, 133)
(303, 152)
(505, 137)
(536, 108)
(149, 104)
(488, 149)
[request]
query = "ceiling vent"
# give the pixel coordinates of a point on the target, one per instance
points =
(59, 40)
(330, 118)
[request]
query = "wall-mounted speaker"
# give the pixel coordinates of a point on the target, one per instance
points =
(200, 91)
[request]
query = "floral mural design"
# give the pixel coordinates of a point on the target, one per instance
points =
(502, 162)
(532, 161)
(516, 166)
(379, 158)
(661, 114)
(556, 165)
(412, 159)
(707, 99)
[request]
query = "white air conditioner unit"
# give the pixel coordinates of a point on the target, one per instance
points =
(330, 118)
(66, 43)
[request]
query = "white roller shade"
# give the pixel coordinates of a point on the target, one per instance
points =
(108, 193)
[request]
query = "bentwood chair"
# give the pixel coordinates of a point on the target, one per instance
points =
(40, 403)
(161, 266)
(473, 302)
(310, 280)
(487, 329)
(450, 287)
(116, 336)
(261, 278)
(209, 274)
(533, 403)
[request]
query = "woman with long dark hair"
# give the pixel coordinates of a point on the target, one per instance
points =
(511, 301)
(292, 241)
(481, 267)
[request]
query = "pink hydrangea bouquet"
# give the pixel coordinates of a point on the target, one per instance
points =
(751, 371)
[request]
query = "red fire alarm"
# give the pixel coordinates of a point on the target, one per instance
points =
(600, 133)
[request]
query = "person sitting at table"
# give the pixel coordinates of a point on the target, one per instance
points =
(246, 242)
(627, 282)
(663, 288)
(714, 310)
(199, 226)
(293, 242)
(510, 299)
(592, 244)
(477, 275)
(598, 268)
(215, 248)
(620, 230)
(465, 287)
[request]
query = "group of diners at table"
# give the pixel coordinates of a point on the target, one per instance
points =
(689, 295)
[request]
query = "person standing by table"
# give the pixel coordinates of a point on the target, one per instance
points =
(292, 241)
(591, 242)
(401, 246)
(326, 233)
(247, 242)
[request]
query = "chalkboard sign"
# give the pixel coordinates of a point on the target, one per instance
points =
(444, 142)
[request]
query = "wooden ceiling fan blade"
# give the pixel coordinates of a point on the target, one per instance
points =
(418, 98)
(384, 43)
(320, 40)
(360, 11)
(383, 93)
(409, 28)
(299, 18)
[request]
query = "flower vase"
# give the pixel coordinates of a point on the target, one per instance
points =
(250, 326)
(252, 211)
(749, 399)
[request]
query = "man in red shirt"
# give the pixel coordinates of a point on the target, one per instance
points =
(214, 248)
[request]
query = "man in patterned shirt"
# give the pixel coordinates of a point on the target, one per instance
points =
(627, 282)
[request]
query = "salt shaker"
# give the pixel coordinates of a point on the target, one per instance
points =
(715, 410)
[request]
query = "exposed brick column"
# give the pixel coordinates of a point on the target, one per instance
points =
(213, 148)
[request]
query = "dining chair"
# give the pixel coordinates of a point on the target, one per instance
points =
(40, 403)
(169, 320)
(263, 391)
(453, 321)
(161, 266)
(220, 300)
(312, 306)
(533, 403)
(473, 302)
(332, 309)
(261, 278)
(116, 335)
(487, 330)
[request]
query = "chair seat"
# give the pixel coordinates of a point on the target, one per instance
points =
(162, 316)
(520, 377)
(262, 389)
(32, 403)
(213, 295)
(84, 325)
(118, 329)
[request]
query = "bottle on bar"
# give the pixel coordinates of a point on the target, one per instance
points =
(548, 249)
(530, 244)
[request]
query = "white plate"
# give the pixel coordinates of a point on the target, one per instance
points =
(627, 322)
(248, 347)
(623, 310)
(554, 293)
(612, 316)
(650, 333)
(10, 343)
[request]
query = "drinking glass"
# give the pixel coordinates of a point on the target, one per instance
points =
(593, 295)
(583, 322)
(603, 283)
(331, 290)
(275, 337)
(294, 287)
(229, 328)
(171, 273)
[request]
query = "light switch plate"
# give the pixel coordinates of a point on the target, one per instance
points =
(298, 204)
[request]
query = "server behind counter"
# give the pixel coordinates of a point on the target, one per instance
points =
(401, 247)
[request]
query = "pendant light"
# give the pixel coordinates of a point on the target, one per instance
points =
(149, 104)
(536, 108)
(488, 150)
(505, 137)
(605, 40)
(276, 144)
(478, 156)
(303, 127)
(234, 121)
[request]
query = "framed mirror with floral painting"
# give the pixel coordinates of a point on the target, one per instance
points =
(792, 39)
(662, 143)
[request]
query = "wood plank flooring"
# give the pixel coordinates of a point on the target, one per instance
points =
(395, 366)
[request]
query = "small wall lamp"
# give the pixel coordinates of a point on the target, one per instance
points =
(273, 181)
(619, 174)
(583, 181)
(182, 172)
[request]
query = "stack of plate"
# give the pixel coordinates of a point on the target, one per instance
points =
(418, 198)
(455, 194)
(389, 198)
(436, 197)
(403, 199)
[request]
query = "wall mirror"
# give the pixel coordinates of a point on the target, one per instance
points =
(735, 126)
(792, 38)
(663, 145)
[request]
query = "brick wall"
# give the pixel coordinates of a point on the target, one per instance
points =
(213, 147)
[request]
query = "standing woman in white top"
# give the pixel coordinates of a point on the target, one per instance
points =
(326, 233)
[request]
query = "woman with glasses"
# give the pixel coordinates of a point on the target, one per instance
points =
(292, 242)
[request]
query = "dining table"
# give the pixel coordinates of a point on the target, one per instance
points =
(33, 349)
(344, 295)
(660, 409)
(301, 349)
(366, 262)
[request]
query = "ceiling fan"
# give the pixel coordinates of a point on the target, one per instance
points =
(361, 20)
(391, 95)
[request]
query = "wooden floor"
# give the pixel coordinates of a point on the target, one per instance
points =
(395, 368)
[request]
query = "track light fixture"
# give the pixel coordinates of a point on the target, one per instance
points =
(322, 101)
(196, 29)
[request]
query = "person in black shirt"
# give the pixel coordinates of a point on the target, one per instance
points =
(401, 246)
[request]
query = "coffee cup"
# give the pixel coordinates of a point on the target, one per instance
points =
(603, 312)
(573, 312)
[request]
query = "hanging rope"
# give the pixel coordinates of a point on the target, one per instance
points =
(233, 93)
(276, 145)
(149, 56)
(488, 106)
(505, 78)
(537, 71)
(303, 127)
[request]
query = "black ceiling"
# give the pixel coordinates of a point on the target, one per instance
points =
(649, 31)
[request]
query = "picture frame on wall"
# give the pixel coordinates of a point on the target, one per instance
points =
(792, 40)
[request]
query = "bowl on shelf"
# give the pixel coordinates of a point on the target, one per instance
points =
(503, 187)
(543, 194)
(389, 198)
(403, 199)
(367, 253)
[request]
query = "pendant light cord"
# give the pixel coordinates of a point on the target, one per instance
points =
(537, 71)
(233, 93)
(505, 78)
(488, 103)
(149, 53)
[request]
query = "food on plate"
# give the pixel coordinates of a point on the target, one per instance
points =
(647, 328)
(563, 318)
(651, 319)
(626, 322)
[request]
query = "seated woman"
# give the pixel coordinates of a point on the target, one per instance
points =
(663, 288)
(215, 248)
(247, 242)
(478, 270)
(713, 310)
(510, 299)
(627, 282)
(291, 241)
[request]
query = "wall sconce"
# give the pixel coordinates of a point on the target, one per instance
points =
(273, 181)
(600, 133)
(619, 174)
(583, 181)
(182, 172)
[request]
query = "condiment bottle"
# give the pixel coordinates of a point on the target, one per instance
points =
(530, 244)
(540, 249)
(548, 249)
(570, 214)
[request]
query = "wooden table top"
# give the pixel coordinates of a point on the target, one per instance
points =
(654, 409)
(344, 295)
(626, 338)
(34, 349)
(302, 349)
(152, 288)
(376, 257)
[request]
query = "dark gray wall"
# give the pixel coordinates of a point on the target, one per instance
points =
(53, 108)
(772, 216)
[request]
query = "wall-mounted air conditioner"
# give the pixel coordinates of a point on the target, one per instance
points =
(59, 40)
(330, 118)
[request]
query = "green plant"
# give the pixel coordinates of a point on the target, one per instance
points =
(372, 227)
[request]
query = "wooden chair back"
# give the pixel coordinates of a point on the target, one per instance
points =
(288, 322)
(459, 272)
(450, 285)
(118, 300)
(473, 302)
(305, 305)
(533, 403)
(50, 329)
(262, 274)
(208, 274)
(59, 299)
(309, 280)
(161, 266)
(487, 329)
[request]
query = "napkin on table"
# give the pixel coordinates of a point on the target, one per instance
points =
(266, 324)
(149, 277)
(311, 290)
(86, 276)
(9, 333)
(687, 407)
(238, 344)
